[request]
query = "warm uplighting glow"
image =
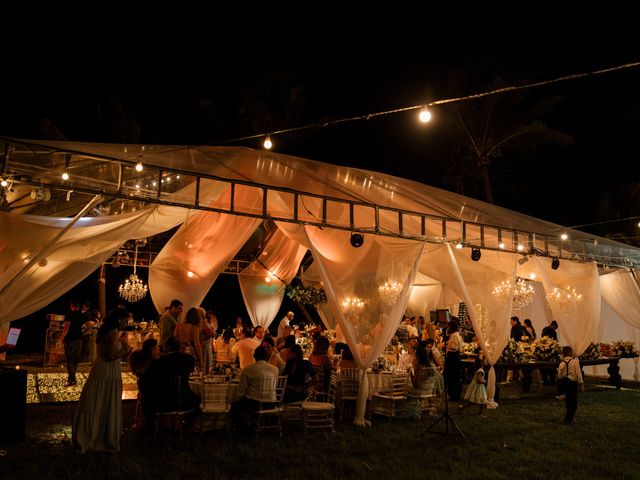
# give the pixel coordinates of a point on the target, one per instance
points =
(501, 245)
(520, 247)
(564, 236)
(425, 115)
(65, 176)
(190, 274)
(267, 143)
(139, 167)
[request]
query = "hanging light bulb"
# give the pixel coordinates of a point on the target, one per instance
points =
(139, 167)
(425, 115)
(4, 182)
(65, 176)
(267, 279)
(501, 245)
(520, 247)
(267, 143)
(190, 274)
(459, 245)
(564, 236)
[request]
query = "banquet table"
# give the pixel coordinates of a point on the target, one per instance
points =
(378, 382)
(196, 384)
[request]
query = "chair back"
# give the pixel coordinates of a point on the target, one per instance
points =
(215, 396)
(333, 386)
(272, 389)
(399, 384)
(350, 382)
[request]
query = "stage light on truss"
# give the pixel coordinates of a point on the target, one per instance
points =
(356, 240)
(555, 263)
(475, 254)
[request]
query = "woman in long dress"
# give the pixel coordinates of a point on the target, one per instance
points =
(97, 424)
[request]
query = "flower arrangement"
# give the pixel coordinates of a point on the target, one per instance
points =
(381, 364)
(546, 348)
(624, 348)
(605, 350)
(468, 348)
(592, 352)
(514, 352)
(306, 295)
(305, 337)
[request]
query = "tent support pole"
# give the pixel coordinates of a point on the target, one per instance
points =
(47, 248)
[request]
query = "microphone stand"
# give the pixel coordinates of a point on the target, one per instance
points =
(445, 417)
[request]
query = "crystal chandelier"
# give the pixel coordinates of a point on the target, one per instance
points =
(133, 289)
(566, 299)
(352, 306)
(389, 292)
(523, 293)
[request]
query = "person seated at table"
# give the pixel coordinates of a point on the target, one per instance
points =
(300, 374)
(245, 347)
(224, 346)
(288, 330)
(250, 389)
(272, 356)
(406, 359)
(321, 361)
(188, 334)
(284, 350)
(172, 364)
(347, 356)
(139, 362)
(424, 373)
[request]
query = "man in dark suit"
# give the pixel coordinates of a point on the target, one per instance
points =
(517, 330)
(153, 383)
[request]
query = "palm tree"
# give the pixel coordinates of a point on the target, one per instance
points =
(505, 126)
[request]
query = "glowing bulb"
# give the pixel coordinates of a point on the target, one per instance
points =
(4, 182)
(501, 245)
(267, 279)
(564, 236)
(154, 183)
(138, 186)
(190, 274)
(532, 276)
(178, 177)
(139, 167)
(459, 245)
(65, 176)
(425, 115)
(520, 247)
(267, 143)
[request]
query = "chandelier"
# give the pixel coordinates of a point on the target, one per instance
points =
(567, 299)
(133, 289)
(523, 293)
(389, 292)
(352, 306)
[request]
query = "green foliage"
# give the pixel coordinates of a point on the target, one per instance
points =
(306, 295)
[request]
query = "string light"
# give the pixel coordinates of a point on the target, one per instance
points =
(425, 115)
(190, 274)
(501, 245)
(4, 182)
(520, 247)
(564, 236)
(139, 167)
(65, 176)
(369, 116)
(459, 245)
(267, 143)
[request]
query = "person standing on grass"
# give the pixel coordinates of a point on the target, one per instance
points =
(570, 376)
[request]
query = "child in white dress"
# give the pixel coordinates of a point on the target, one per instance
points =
(477, 390)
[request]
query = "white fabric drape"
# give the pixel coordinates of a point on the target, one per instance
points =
(429, 294)
(538, 311)
(279, 262)
(71, 259)
(577, 321)
(353, 279)
(621, 292)
(475, 282)
(203, 245)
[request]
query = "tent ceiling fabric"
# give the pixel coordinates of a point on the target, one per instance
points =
(96, 165)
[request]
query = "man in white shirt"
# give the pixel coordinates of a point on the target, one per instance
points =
(406, 359)
(570, 377)
(245, 348)
(250, 391)
(413, 331)
(286, 321)
(258, 333)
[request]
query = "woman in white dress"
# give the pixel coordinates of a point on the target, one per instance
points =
(97, 424)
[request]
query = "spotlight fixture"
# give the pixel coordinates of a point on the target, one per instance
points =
(356, 240)
(475, 254)
(555, 263)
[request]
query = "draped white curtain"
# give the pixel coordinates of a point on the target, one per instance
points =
(279, 262)
(475, 282)
(620, 290)
(577, 321)
(353, 278)
(429, 294)
(538, 311)
(203, 245)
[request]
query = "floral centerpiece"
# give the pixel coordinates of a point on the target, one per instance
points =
(381, 364)
(468, 348)
(306, 295)
(605, 350)
(546, 349)
(514, 352)
(592, 352)
(624, 349)
(305, 337)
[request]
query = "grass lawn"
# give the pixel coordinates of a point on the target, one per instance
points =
(524, 439)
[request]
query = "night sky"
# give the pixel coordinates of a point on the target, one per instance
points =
(172, 75)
